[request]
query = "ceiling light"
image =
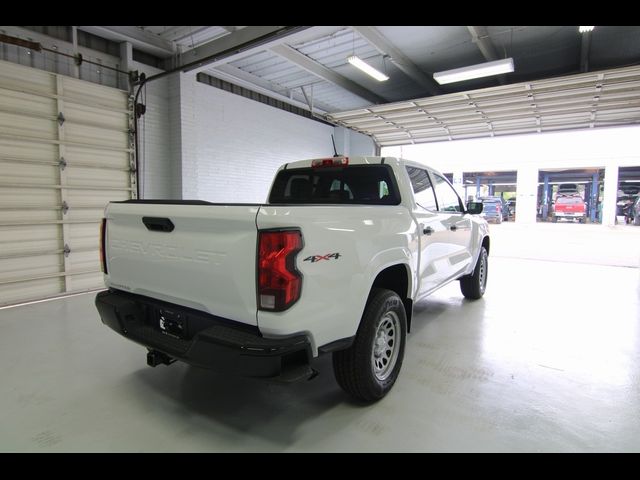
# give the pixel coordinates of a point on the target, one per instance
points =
(584, 29)
(366, 68)
(474, 71)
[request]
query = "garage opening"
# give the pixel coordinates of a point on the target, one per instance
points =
(570, 195)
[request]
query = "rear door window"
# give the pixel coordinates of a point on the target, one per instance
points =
(422, 188)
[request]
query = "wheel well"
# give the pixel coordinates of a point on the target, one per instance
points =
(396, 278)
(486, 243)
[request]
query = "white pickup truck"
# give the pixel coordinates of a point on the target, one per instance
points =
(333, 263)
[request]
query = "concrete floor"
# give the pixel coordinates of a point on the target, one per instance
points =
(548, 361)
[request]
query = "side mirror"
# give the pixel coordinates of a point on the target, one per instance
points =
(474, 208)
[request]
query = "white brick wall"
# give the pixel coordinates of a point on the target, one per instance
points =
(232, 146)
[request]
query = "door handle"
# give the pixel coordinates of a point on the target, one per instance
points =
(453, 228)
(427, 230)
(157, 224)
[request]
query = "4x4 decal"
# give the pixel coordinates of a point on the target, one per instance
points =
(317, 258)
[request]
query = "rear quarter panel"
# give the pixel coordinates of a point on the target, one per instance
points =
(368, 239)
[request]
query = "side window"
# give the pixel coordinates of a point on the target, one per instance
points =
(448, 199)
(422, 188)
(383, 189)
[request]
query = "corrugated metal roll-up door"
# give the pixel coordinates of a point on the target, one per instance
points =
(65, 151)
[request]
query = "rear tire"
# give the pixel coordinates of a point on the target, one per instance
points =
(473, 286)
(368, 369)
(554, 219)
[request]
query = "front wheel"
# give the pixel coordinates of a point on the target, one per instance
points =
(474, 285)
(368, 369)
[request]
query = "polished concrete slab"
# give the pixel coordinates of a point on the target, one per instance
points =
(547, 361)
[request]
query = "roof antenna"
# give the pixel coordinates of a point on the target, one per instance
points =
(335, 152)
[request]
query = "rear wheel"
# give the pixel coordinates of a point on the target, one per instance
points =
(554, 219)
(368, 369)
(474, 285)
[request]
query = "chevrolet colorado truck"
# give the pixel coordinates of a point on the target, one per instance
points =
(332, 263)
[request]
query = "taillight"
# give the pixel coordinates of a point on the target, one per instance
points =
(330, 162)
(279, 282)
(103, 253)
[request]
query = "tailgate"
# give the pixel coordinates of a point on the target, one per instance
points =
(206, 262)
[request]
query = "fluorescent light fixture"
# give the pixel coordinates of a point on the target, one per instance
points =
(586, 28)
(474, 71)
(366, 68)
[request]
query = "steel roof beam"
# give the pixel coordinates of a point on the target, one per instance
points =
(319, 70)
(141, 39)
(480, 37)
(249, 80)
(246, 41)
(176, 34)
(399, 59)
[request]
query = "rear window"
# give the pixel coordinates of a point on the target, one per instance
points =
(569, 200)
(355, 184)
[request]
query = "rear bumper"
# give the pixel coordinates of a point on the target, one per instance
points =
(209, 341)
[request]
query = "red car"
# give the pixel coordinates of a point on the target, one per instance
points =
(569, 206)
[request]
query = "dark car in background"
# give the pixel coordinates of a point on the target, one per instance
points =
(633, 212)
(567, 188)
(512, 207)
(624, 205)
(495, 209)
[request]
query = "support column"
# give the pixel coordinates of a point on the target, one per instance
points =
(527, 193)
(126, 58)
(477, 188)
(610, 195)
(545, 198)
(595, 189)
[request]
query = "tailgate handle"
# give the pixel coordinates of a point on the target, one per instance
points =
(158, 224)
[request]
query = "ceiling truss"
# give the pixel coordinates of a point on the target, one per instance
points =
(588, 100)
